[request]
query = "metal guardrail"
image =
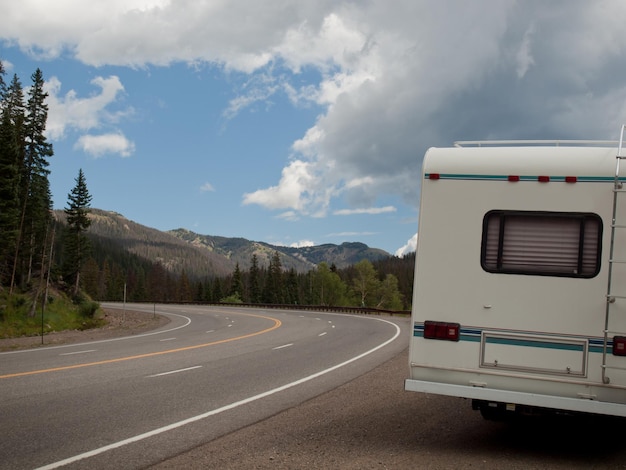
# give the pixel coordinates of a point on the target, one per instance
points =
(316, 308)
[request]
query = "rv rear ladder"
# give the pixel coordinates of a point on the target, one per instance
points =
(611, 297)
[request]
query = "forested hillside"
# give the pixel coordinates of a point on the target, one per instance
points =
(183, 266)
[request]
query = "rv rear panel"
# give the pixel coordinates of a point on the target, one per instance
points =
(517, 250)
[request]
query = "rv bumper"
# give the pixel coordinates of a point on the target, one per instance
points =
(520, 398)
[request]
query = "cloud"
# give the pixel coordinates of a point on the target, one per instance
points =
(207, 187)
(390, 81)
(369, 210)
(302, 244)
(71, 112)
(296, 190)
(410, 247)
(258, 89)
(99, 145)
(291, 216)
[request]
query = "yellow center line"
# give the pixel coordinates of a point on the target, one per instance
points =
(277, 324)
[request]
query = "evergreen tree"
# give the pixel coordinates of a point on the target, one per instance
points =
(157, 279)
(184, 291)
(217, 290)
(34, 196)
(11, 157)
(255, 281)
(90, 276)
(236, 286)
(76, 249)
(292, 288)
(3, 84)
(274, 283)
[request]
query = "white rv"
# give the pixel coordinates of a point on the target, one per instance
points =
(519, 301)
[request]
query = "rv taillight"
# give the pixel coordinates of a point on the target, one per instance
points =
(442, 330)
(514, 178)
(543, 179)
(619, 346)
(571, 179)
(433, 176)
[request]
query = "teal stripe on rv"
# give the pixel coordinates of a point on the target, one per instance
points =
(535, 344)
(474, 335)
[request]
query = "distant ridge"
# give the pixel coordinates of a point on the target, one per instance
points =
(210, 256)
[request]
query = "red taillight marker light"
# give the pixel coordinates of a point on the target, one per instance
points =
(513, 178)
(434, 176)
(571, 179)
(619, 346)
(441, 330)
(543, 179)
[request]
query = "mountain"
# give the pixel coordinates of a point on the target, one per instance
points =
(213, 256)
(240, 250)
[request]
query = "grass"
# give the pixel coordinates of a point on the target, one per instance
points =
(60, 314)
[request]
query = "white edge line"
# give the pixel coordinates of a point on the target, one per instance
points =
(216, 411)
(78, 352)
(174, 371)
(283, 346)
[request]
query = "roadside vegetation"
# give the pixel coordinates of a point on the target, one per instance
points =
(61, 313)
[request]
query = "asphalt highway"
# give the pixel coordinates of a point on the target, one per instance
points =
(134, 401)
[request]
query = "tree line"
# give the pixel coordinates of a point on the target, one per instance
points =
(113, 274)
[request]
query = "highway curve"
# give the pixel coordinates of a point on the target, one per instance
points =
(135, 401)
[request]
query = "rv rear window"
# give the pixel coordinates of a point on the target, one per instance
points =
(541, 243)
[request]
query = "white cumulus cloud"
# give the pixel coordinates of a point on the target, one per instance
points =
(409, 247)
(69, 111)
(99, 145)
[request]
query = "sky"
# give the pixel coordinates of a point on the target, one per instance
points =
(303, 122)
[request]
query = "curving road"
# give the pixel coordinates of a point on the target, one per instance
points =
(135, 401)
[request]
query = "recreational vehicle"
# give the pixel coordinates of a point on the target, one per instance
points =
(519, 301)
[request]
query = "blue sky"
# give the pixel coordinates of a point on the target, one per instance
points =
(299, 123)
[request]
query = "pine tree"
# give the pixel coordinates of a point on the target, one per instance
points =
(274, 293)
(11, 156)
(3, 84)
(76, 243)
(34, 196)
(255, 283)
(236, 286)
(292, 288)
(184, 291)
(217, 290)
